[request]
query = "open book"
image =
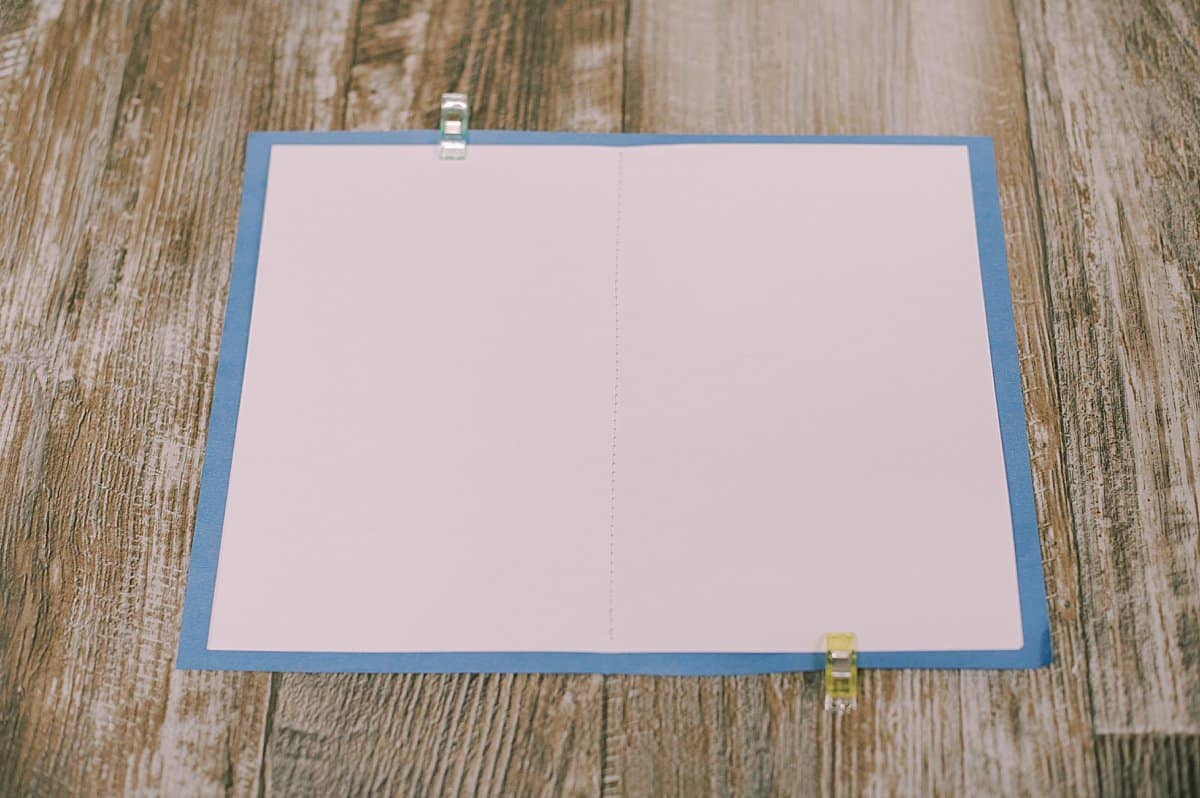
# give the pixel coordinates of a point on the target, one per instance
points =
(616, 403)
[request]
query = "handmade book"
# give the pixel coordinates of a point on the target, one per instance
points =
(617, 404)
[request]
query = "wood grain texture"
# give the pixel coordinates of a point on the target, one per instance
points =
(120, 157)
(18, 30)
(1114, 98)
(765, 735)
(122, 148)
(435, 735)
(1149, 765)
(525, 64)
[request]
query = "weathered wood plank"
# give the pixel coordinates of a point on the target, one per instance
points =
(435, 735)
(19, 28)
(728, 736)
(122, 149)
(525, 65)
(881, 67)
(1115, 109)
(1149, 765)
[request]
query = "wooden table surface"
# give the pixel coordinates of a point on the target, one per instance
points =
(121, 149)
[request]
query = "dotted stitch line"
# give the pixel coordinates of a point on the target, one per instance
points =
(612, 483)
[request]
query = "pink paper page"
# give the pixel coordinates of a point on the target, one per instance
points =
(423, 446)
(807, 437)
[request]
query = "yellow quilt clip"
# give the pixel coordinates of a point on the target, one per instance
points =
(841, 672)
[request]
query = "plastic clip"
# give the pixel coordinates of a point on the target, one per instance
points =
(455, 116)
(841, 672)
